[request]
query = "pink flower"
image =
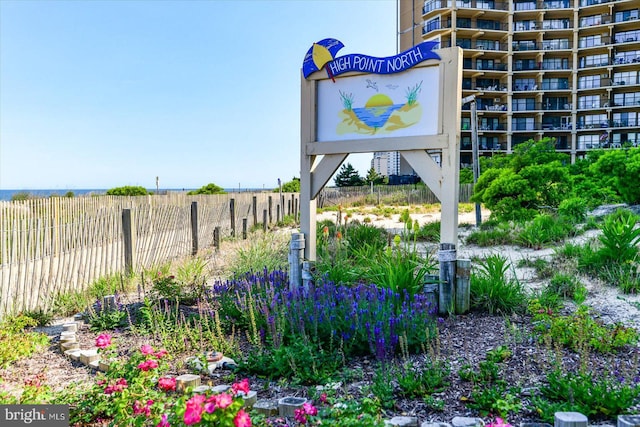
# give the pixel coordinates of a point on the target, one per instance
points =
(300, 416)
(242, 386)
(224, 400)
(148, 364)
(499, 422)
(193, 412)
(242, 419)
(103, 341)
(146, 349)
(145, 410)
(161, 353)
(309, 409)
(323, 398)
(163, 421)
(167, 384)
(120, 385)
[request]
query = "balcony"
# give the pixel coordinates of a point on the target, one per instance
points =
(492, 126)
(585, 3)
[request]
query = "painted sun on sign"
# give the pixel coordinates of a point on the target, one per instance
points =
(380, 114)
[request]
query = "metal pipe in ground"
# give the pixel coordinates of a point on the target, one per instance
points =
(296, 255)
(447, 261)
(463, 285)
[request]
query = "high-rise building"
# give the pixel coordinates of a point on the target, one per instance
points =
(567, 69)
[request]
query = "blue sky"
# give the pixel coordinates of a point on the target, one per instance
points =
(100, 94)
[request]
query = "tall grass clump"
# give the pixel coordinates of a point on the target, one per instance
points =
(544, 229)
(493, 290)
(264, 251)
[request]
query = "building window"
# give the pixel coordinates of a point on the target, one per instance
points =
(486, 24)
(627, 57)
(594, 60)
(555, 64)
(625, 78)
(555, 44)
(555, 24)
(592, 121)
(525, 5)
(590, 21)
(625, 119)
(626, 137)
(555, 83)
(589, 82)
(524, 84)
(587, 142)
(628, 99)
(555, 103)
(588, 102)
(525, 64)
(523, 104)
(627, 36)
(525, 25)
(591, 41)
(463, 22)
(524, 123)
(626, 15)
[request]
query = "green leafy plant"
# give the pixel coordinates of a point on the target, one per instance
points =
(210, 188)
(619, 237)
(16, 341)
(567, 286)
(423, 381)
(542, 230)
(595, 397)
(493, 291)
(382, 386)
(495, 399)
(127, 190)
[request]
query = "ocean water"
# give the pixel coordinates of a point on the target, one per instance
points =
(44, 193)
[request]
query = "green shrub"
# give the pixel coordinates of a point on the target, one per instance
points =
(492, 291)
(422, 382)
(542, 230)
(127, 191)
(573, 210)
(567, 286)
(429, 232)
(619, 237)
(501, 234)
(16, 342)
(597, 398)
(210, 188)
(264, 251)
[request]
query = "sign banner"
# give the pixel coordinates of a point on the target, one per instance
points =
(319, 56)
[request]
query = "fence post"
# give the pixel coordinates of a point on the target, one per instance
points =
(194, 228)
(277, 213)
(232, 208)
(463, 278)
(254, 208)
(216, 237)
(270, 209)
(447, 260)
(244, 228)
(264, 220)
(128, 241)
(289, 207)
(295, 209)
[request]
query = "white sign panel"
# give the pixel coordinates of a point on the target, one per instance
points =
(379, 105)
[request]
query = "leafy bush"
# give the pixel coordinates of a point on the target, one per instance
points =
(573, 210)
(580, 331)
(493, 291)
(542, 230)
(127, 191)
(422, 382)
(619, 237)
(292, 186)
(597, 398)
(567, 286)
(210, 188)
(500, 234)
(16, 342)
(263, 251)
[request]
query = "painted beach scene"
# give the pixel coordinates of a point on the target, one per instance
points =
(380, 114)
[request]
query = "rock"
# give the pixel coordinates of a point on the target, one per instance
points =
(249, 399)
(628, 420)
(213, 356)
(94, 365)
(402, 422)
(64, 346)
(430, 424)
(288, 405)
(220, 388)
(570, 419)
(183, 382)
(268, 408)
(103, 366)
(223, 363)
(88, 356)
(73, 354)
(466, 422)
(201, 389)
(70, 327)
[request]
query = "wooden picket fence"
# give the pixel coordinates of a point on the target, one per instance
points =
(57, 245)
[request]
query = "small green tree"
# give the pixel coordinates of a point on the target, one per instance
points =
(466, 176)
(210, 188)
(348, 177)
(127, 190)
(374, 177)
(292, 186)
